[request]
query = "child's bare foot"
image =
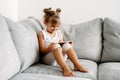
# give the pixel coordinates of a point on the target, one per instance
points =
(80, 68)
(67, 72)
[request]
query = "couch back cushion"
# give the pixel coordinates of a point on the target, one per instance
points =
(32, 22)
(9, 60)
(26, 42)
(87, 38)
(111, 34)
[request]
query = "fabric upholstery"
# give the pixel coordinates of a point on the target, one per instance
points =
(33, 23)
(87, 38)
(111, 44)
(56, 70)
(26, 43)
(109, 71)
(9, 60)
(27, 76)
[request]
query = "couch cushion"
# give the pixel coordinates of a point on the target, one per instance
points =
(9, 60)
(87, 38)
(26, 42)
(111, 34)
(28, 76)
(109, 71)
(32, 22)
(56, 70)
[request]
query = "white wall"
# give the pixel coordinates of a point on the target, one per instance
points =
(73, 11)
(8, 8)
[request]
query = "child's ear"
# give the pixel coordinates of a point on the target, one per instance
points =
(44, 22)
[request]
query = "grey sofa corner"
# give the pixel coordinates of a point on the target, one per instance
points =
(96, 43)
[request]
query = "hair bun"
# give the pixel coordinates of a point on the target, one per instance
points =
(58, 10)
(46, 10)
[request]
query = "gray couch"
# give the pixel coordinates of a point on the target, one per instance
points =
(96, 42)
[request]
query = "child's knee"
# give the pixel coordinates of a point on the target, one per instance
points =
(66, 46)
(58, 47)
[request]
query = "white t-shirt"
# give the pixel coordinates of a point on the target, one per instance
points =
(48, 39)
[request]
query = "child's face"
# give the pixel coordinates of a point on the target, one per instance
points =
(52, 28)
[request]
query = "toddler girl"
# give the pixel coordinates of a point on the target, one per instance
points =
(50, 48)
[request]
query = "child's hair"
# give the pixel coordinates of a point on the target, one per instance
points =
(51, 15)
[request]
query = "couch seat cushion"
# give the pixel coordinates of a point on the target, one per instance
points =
(29, 76)
(56, 70)
(109, 71)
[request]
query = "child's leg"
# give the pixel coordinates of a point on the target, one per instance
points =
(60, 59)
(73, 57)
(49, 58)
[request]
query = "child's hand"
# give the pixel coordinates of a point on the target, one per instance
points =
(52, 47)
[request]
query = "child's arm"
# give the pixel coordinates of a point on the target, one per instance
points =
(41, 44)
